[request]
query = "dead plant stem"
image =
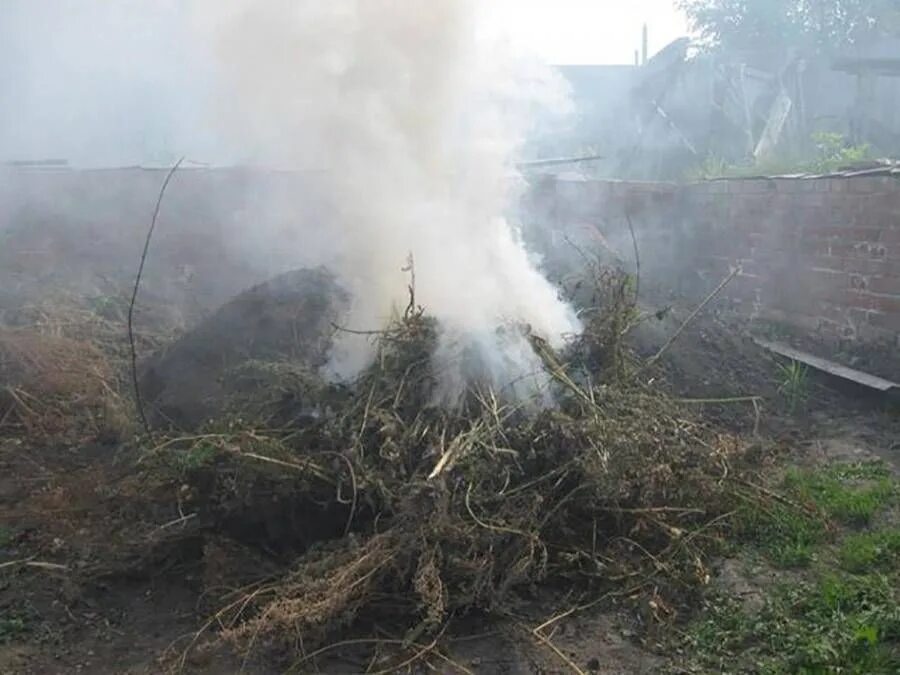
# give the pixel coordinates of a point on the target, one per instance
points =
(137, 285)
(709, 298)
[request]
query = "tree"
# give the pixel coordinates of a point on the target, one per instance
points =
(779, 25)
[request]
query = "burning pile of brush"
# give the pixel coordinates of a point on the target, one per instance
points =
(382, 507)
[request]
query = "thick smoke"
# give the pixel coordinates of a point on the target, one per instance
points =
(416, 124)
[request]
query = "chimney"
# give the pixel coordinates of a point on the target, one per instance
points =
(644, 45)
(637, 57)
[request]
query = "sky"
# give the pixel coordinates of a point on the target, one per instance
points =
(564, 32)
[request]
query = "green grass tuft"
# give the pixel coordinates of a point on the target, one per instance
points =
(868, 551)
(844, 624)
(787, 536)
(197, 457)
(851, 494)
(842, 615)
(11, 627)
(794, 385)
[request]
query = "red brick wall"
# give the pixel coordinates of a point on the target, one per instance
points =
(821, 254)
(224, 229)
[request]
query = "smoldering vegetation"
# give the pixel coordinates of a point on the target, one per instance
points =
(371, 416)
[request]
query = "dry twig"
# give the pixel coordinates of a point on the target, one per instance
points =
(137, 285)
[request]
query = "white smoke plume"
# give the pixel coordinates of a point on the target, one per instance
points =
(417, 123)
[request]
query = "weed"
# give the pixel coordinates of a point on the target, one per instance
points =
(11, 627)
(870, 550)
(6, 536)
(196, 457)
(846, 617)
(711, 167)
(108, 306)
(834, 153)
(851, 494)
(829, 152)
(794, 384)
(786, 535)
(844, 624)
(857, 471)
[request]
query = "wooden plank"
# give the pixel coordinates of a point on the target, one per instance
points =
(830, 367)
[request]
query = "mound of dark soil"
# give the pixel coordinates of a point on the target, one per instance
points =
(711, 358)
(287, 320)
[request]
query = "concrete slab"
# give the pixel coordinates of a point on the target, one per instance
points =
(830, 367)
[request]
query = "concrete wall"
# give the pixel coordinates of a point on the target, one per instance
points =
(819, 254)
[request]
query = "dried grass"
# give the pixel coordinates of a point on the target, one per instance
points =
(55, 387)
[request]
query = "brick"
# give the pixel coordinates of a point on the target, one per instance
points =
(842, 322)
(852, 233)
(867, 250)
(848, 250)
(864, 265)
(864, 184)
(786, 185)
(744, 287)
(815, 247)
(859, 282)
(888, 304)
(756, 239)
(775, 251)
(884, 285)
(761, 185)
(830, 311)
(826, 262)
(871, 216)
(570, 191)
(809, 200)
(887, 322)
(890, 234)
(839, 184)
(823, 279)
(884, 202)
(841, 214)
(783, 300)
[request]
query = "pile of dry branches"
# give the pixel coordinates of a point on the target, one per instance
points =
(424, 513)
